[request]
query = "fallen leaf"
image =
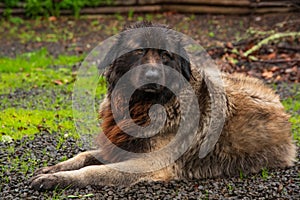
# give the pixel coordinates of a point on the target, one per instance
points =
(278, 78)
(289, 70)
(295, 69)
(52, 18)
(274, 69)
(267, 74)
(229, 45)
(271, 56)
(57, 82)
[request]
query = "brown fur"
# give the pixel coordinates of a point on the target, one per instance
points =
(256, 134)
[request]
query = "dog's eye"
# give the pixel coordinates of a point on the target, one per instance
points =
(139, 52)
(165, 55)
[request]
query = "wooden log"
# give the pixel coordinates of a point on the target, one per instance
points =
(114, 2)
(225, 10)
(274, 4)
(197, 2)
(272, 10)
(121, 9)
(207, 9)
(122, 2)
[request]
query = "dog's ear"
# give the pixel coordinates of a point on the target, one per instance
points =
(185, 68)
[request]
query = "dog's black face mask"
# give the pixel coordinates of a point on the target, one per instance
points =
(154, 72)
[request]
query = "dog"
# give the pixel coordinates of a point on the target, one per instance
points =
(256, 131)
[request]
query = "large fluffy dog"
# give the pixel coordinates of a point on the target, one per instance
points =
(256, 131)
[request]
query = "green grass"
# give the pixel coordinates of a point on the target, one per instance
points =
(292, 106)
(17, 123)
(36, 95)
(42, 78)
(265, 173)
(230, 187)
(37, 70)
(295, 120)
(37, 60)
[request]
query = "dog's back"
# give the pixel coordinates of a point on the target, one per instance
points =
(258, 125)
(256, 133)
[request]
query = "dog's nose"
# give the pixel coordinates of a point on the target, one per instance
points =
(152, 74)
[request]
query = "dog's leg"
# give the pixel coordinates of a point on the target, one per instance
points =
(81, 160)
(97, 175)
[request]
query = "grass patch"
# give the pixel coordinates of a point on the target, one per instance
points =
(265, 173)
(295, 120)
(17, 123)
(292, 105)
(36, 95)
(37, 78)
(37, 70)
(36, 60)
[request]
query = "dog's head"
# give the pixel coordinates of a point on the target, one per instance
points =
(155, 58)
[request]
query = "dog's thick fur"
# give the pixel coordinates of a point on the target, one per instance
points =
(256, 133)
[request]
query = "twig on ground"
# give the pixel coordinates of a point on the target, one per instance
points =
(270, 38)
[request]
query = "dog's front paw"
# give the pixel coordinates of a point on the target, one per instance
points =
(47, 182)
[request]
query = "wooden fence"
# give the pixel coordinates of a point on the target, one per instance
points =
(186, 6)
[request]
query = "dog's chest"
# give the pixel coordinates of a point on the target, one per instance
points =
(169, 130)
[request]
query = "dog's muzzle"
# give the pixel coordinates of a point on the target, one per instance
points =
(155, 77)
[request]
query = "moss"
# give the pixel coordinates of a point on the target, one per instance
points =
(18, 123)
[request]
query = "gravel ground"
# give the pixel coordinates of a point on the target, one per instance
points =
(276, 184)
